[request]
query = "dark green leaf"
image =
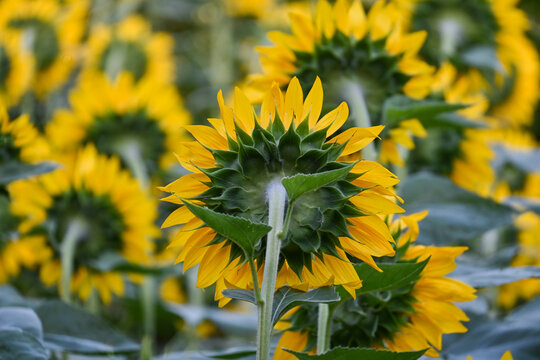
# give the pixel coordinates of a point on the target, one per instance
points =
(17, 344)
(15, 170)
(286, 298)
(243, 232)
(479, 276)
(455, 215)
(394, 276)
(116, 262)
(301, 183)
(240, 294)
(451, 121)
(400, 107)
(234, 353)
(359, 354)
(67, 328)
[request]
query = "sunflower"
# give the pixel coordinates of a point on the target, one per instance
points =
(20, 140)
(49, 29)
(234, 161)
(92, 194)
(463, 31)
(122, 117)
(16, 67)
(354, 53)
(413, 317)
(131, 46)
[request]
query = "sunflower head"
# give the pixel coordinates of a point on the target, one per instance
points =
(404, 319)
(112, 213)
(16, 70)
(131, 46)
(235, 162)
(50, 30)
(122, 117)
(341, 41)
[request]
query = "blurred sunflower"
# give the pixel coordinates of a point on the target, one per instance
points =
(51, 30)
(100, 206)
(140, 122)
(232, 165)
(413, 317)
(20, 140)
(16, 67)
(486, 36)
(363, 58)
(131, 46)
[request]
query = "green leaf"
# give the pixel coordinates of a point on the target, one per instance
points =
(340, 353)
(455, 215)
(400, 107)
(70, 329)
(483, 57)
(301, 183)
(16, 344)
(242, 232)
(15, 170)
(451, 121)
(21, 318)
(525, 160)
(234, 353)
(286, 298)
(479, 276)
(394, 276)
(10, 297)
(521, 202)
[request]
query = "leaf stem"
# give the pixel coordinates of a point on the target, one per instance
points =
(256, 287)
(277, 199)
(76, 229)
(323, 329)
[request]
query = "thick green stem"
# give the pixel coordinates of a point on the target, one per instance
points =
(92, 304)
(354, 94)
(130, 152)
(323, 329)
(277, 199)
(76, 229)
(256, 287)
(451, 32)
(148, 298)
(221, 55)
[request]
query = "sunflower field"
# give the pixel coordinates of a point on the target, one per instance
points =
(269, 179)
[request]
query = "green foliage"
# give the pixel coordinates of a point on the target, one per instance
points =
(455, 215)
(286, 298)
(244, 233)
(393, 276)
(481, 276)
(359, 353)
(16, 344)
(299, 184)
(15, 170)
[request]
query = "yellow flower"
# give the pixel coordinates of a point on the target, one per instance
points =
(456, 27)
(15, 253)
(49, 29)
(121, 115)
(20, 140)
(172, 290)
(232, 164)
(116, 215)
(342, 44)
(413, 318)
(16, 70)
(130, 46)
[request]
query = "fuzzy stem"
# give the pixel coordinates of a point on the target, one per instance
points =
(130, 152)
(277, 199)
(354, 94)
(76, 229)
(323, 329)
(256, 287)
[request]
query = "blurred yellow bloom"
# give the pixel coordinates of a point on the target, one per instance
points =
(131, 46)
(116, 214)
(317, 252)
(122, 114)
(17, 66)
(51, 30)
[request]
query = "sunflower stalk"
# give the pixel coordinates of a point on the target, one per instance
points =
(354, 95)
(130, 152)
(277, 199)
(75, 231)
(323, 329)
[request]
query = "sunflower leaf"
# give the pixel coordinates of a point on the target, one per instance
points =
(14, 170)
(399, 108)
(242, 232)
(300, 184)
(340, 353)
(16, 343)
(394, 276)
